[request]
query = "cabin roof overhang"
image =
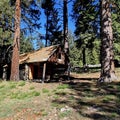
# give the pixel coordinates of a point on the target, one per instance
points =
(41, 55)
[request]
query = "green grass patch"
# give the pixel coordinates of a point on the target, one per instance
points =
(2, 86)
(113, 115)
(64, 114)
(118, 87)
(63, 86)
(6, 91)
(53, 91)
(56, 96)
(21, 83)
(23, 95)
(18, 95)
(10, 108)
(5, 110)
(35, 93)
(57, 105)
(12, 86)
(32, 88)
(71, 98)
(44, 113)
(44, 90)
(2, 97)
(54, 104)
(109, 98)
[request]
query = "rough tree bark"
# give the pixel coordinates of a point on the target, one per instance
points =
(65, 25)
(46, 28)
(107, 55)
(16, 44)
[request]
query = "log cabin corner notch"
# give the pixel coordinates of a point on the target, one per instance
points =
(43, 63)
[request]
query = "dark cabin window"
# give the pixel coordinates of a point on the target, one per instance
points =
(35, 75)
(59, 56)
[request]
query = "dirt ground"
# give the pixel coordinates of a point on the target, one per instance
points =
(81, 98)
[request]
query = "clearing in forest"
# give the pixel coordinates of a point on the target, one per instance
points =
(78, 99)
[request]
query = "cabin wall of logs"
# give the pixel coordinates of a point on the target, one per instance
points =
(44, 70)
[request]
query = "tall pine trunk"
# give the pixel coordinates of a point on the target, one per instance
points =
(107, 55)
(84, 56)
(16, 44)
(46, 28)
(65, 25)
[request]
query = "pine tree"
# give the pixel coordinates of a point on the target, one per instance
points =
(53, 32)
(65, 26)
(16, 46)
(107, 59)
(6, 15)
(26, 44)
(30, 16)
(85, 14)
(116, 29)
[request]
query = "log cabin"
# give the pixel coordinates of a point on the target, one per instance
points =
(43, 64)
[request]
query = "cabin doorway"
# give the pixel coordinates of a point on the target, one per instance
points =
(35, 75)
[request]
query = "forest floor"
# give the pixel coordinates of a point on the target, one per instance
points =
(81, 98)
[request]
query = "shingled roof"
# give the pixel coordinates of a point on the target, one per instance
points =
(40, 55)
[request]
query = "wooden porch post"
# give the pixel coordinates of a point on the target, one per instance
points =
(4, 76)
(30, 70)
(44, 70)
(26, 72)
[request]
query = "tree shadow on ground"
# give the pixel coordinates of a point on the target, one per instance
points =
(91, 100)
